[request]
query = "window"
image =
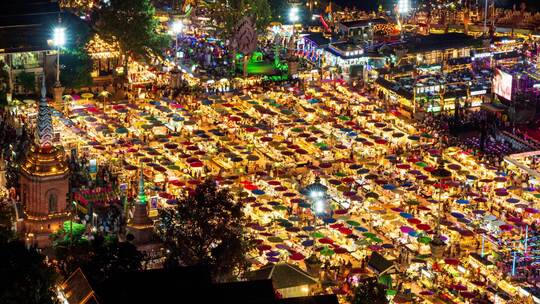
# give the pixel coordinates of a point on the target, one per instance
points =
(53, 203)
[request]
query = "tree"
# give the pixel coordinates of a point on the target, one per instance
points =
(26, 278)
(206, 228)
(227, 13)
(132, 23)
(76, 69)
(279, 9)
(28, 81)
(370, 291)
(76, 65)
(99, 258)
(4, 82)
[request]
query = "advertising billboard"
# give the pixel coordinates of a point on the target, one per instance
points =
(502, 84)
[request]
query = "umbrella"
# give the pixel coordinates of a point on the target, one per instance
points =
(451, 261)
(423, 227)
(258, 192)
(329, 220)
(361, 229)
(389, 187)
(317, 235)
(326, 251)
(406, 215)
(325, 241)
(424, 240)
(121, 130)
(307, 243)
(264, 247)
(369, 235)
(297, 256)
(353, 223)
(406, 229)
(457, 215)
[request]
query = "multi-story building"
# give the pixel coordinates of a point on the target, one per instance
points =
(25, 46)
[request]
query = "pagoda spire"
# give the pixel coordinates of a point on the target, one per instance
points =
(44, 130)
(140, 225)
(142, 195)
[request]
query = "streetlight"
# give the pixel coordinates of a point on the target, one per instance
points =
(59, 39)
(177, 28)
(317, 193)
(293, 14)
(403, 7)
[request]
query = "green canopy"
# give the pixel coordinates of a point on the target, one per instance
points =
(377, 240)
(412, 202)
(421, 164)
(353, 223)
(121, 130)
(369, 235)
(386, 280)
(327, 251)
(424, 240)
(317, 235)
(275, 239)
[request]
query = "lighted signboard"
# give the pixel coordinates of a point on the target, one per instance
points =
(502, 84)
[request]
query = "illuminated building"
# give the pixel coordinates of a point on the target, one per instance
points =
(44, 180)
(25, 28)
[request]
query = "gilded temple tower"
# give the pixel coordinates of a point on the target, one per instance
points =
(44, 180)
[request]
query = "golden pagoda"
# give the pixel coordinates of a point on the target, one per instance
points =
(140, 225)
(44, 180)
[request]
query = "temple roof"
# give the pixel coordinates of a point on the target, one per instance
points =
(48, 161)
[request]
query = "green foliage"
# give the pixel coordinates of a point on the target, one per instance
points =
(64, 235)
(279, 9)
(76, 68)
(4, 82)
(370, 291)
(206, 228)
(78, 32)
(6, 219)
(227, 13)
(133, 24)
(26, 278)
(75, 63)
(27, 80)
(99, 258)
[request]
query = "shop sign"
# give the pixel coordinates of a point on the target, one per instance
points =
(480, 92)
(482, 55)
(93, 166)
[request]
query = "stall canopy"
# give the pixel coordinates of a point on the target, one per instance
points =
(283, 275)
(380, 265)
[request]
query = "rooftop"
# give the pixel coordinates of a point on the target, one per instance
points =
(363, 22)
(318, 38)
(283, 275)
(25, 25)
(379, 263)
(433, 42)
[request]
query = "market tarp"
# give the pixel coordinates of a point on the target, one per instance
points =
(283, 275)
(380, 265)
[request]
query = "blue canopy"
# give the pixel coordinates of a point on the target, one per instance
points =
(406, 215)
(257, 192)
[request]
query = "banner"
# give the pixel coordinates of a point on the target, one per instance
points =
(502, 84)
